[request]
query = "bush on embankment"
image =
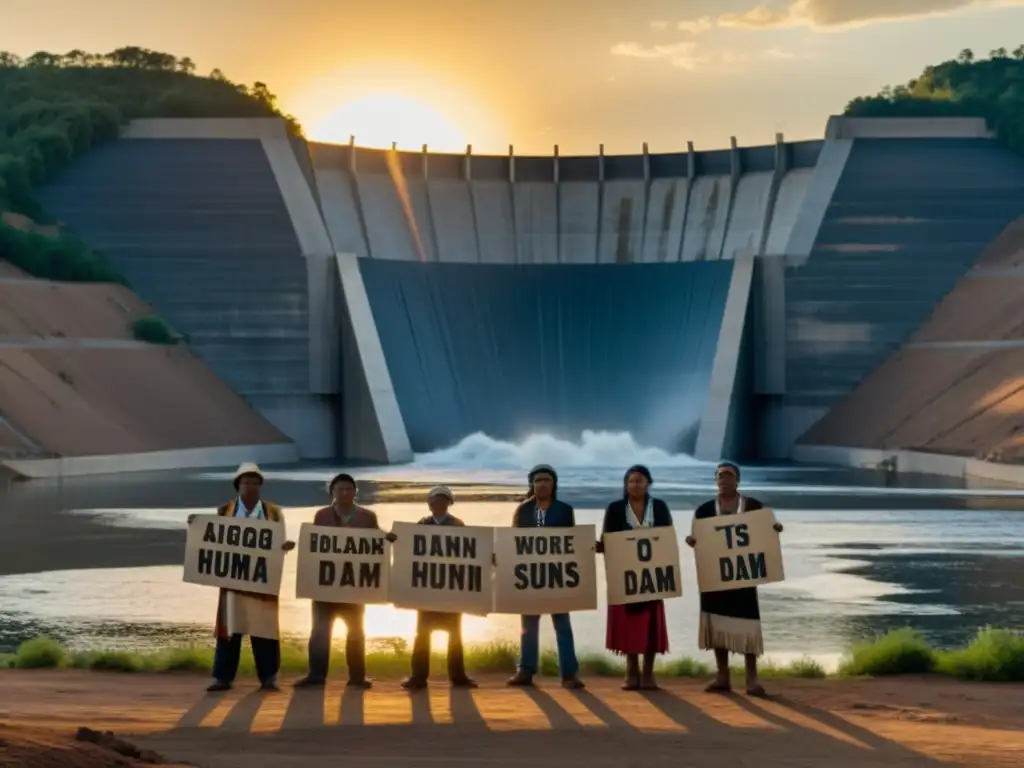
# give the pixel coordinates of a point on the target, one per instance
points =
(56, 107)
(154, 330)
(994, 655)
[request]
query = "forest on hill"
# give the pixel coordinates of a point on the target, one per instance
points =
(966, 86)
(54, 107)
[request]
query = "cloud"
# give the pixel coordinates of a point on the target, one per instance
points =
(695, 26)
(659, 25)
(681, 54)
(779, 54)
(839, 14)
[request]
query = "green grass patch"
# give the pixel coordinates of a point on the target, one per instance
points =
(994, 655)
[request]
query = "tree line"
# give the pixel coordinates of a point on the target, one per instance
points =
(966, 86)
(56, 106)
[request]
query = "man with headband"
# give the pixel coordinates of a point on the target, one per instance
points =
(730, 620)
(542, 509)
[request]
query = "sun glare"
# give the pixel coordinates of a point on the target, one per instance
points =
(385, 117)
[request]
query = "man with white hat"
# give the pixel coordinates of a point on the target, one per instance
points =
(439, 499)
(243, 613)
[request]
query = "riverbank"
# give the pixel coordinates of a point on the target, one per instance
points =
(994, 655)
(909, 721)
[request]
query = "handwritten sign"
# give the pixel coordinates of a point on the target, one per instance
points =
(735, 551)
(342, 565)
(241, 554)
(642, 565)
(545, 570)
(443, 568)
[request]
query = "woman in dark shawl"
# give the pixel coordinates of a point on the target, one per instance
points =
(730, 620)
(638, 628)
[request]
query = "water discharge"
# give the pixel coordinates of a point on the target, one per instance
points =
(595, 450)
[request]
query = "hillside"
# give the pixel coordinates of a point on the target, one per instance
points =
(55, 107)
(76, 376)
(992, 88)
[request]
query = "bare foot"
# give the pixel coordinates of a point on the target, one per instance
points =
(719, 685)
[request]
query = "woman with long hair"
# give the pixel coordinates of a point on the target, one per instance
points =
(637, 629)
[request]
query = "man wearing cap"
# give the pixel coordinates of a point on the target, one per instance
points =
(439, 499)
(342, 513)
(243, 613)
(542, 509)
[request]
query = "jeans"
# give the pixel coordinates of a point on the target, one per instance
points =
(427, 622)
(529, 653)
(324, 615)
(265, 652)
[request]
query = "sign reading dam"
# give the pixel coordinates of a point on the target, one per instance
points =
(442, 568)
(235, 553)
(736, 551)
(342, 565)
(545, 570)
(642, 565)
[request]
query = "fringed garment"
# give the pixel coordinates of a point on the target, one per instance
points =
(637, 628)
(730, 619)
(247, 613)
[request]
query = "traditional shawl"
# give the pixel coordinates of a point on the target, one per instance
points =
(730, 619)
(246, 613)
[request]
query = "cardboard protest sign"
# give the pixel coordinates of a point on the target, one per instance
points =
(736, 551)
(442, 568)
(545, 570)
(342, 565)
(641, 565)
(238, 553)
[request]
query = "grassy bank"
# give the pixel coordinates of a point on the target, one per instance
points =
(994, 655)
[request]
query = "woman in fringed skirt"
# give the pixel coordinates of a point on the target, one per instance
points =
(637, 629)
(730, 620)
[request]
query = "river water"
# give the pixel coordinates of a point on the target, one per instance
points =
(96, 562)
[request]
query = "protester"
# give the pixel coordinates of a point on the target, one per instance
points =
(730, 620)
(439, 499)
(637, 628)
(541, 509)
(244, 613)
(342, 513)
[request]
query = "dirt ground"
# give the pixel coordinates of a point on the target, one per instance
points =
(895, 722)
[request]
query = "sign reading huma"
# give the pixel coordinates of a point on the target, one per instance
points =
(237, 553)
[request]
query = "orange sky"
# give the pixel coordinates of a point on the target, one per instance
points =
(539, 72)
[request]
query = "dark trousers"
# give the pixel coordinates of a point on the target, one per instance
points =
(430, 621)
(265, 652)
(324, 615)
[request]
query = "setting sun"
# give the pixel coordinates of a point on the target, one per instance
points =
(382, 118)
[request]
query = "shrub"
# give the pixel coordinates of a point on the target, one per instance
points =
(40, 653)
(901, 652)
(154, 330)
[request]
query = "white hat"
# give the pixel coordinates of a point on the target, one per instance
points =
(441, 490)
(248, 468)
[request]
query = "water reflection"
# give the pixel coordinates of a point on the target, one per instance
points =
(98, 561)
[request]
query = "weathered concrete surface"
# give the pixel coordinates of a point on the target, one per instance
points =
(957, 385)
(901, 722)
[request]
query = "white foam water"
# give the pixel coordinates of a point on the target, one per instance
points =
(595, 450)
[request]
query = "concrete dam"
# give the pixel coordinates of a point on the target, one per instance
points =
(372, 304)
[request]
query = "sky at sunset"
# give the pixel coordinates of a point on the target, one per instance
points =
(534, 73)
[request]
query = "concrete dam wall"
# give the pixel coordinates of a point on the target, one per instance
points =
(510, 350)
(374, 303)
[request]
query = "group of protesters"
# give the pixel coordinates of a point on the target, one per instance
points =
(729, 620)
